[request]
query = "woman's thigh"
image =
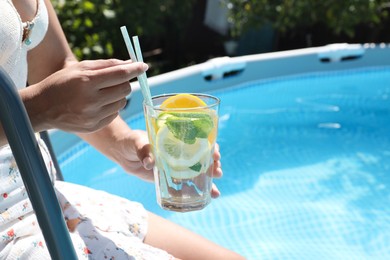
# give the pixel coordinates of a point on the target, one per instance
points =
(183, 243)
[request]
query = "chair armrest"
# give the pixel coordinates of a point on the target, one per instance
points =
(18, 129)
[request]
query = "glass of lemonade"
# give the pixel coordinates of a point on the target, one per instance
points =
(182, 130)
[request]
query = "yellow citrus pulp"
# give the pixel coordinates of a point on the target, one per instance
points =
(183, 101)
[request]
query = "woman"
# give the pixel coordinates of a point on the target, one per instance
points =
(84, 98)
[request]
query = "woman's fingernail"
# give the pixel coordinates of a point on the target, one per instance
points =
(145, 67)
(147, 162)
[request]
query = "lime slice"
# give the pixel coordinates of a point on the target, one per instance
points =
(178, 154)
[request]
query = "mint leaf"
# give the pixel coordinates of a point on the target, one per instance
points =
(203, 122)
(196, 167)
(182, 128)
(203, 127)
(188, 126)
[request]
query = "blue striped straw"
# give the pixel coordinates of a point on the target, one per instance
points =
(142, 79)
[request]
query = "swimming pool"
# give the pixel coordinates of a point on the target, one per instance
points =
(305, 156)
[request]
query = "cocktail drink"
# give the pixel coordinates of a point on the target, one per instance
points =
(182, 130)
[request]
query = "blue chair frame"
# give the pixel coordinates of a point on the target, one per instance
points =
(21, 138)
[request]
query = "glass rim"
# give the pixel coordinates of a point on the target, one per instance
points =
(155, 107)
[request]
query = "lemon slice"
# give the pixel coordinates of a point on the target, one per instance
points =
(178, 154)
(162, 118)
(183, 174)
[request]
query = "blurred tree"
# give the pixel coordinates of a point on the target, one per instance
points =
(92, 27)
(337, 20)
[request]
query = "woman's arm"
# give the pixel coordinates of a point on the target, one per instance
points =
(116, 140)
(85, 97)
(127, 147)
(52, 54)
(70, 95)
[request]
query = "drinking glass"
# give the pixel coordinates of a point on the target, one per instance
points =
(183, 141)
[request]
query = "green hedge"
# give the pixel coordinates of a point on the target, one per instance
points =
(306, 23)
(93, 27)
(339, 16)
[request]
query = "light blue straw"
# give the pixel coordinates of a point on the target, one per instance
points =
(142, 79)
(137, 48)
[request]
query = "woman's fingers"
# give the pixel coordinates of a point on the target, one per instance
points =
(101, 63)
(217, 167)
(217, 154)
(143, 149)
(217, 170)
(115, 75)
(215, 193)
(92, 93)
(113, 94)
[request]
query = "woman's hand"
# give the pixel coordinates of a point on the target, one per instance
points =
(83, 97)
(137, 159)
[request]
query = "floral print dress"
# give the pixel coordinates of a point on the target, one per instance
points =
(102, 225)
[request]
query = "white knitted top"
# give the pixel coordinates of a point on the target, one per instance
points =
(14, 203)
(13, 51)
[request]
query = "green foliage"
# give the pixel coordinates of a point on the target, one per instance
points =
(93, 27)
(339, 16)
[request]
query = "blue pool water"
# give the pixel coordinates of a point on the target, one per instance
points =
(306, 163)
